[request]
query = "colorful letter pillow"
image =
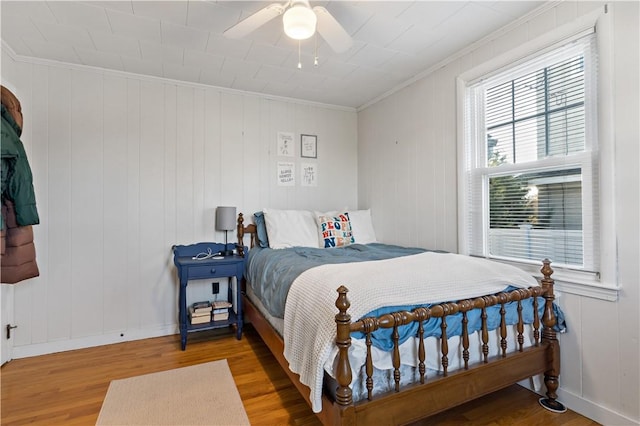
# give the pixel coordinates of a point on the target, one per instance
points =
(335, 231)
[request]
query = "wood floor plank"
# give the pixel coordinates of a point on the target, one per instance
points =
(68, 388)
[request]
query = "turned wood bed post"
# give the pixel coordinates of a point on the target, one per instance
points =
(549, 336)
(240, 235)
(344, 395)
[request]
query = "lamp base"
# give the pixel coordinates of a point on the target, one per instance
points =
(226, 253)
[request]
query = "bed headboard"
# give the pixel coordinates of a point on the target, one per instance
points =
(251, 230)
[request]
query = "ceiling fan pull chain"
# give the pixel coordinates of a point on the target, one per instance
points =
(299, 62)
(315, 52)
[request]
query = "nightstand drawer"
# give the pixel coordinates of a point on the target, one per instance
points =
(212, 271)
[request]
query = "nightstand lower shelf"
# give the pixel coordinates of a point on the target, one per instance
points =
(233, 319)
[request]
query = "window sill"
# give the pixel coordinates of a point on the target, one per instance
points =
(581, 289)
(573, 282)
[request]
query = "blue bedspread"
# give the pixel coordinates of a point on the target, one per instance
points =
(271, 272)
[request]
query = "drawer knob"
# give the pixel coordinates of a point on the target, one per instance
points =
(213, 270)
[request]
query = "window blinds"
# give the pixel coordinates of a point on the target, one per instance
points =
(531, 159)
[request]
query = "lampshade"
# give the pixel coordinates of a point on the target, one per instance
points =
(225, 218)
(299, 22)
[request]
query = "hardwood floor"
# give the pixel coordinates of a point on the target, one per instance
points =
(68, 388)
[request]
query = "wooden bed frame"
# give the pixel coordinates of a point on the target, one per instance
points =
(433, 395)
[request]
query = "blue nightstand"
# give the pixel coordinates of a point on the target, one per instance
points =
(193, 265)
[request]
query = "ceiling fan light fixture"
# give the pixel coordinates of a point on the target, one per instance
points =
(299, 22)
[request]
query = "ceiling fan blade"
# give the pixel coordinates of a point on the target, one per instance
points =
(333, 33)
(254, 21)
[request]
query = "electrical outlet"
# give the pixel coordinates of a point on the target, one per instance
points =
(215, 288)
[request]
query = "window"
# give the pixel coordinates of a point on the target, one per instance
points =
(530, 160)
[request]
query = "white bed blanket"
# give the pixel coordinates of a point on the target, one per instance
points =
(309, 319)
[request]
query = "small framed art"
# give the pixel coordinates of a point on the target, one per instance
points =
(309, 146)
(308, 174)
(286, 174)
(285, 144)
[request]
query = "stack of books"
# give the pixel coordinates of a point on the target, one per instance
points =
(200, 312)
(220, 310)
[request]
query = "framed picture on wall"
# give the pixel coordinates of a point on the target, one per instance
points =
(286, 174)
(309, 146)
(308, 174)
(285, 144)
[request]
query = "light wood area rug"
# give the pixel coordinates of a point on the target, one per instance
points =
(203, 394)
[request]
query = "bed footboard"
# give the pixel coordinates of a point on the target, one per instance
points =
(458, 387)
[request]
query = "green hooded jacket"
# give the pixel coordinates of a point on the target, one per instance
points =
(17, 180)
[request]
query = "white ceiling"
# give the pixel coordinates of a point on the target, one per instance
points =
(183, 40)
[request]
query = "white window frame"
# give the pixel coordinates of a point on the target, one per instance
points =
(604, 284)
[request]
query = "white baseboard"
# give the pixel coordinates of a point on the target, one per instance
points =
(27, 351)
(593, 410)
(590, 409)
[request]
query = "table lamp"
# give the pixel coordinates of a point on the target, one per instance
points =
(226, 221)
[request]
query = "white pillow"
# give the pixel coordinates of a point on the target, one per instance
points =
(362, 226)
(291, 228)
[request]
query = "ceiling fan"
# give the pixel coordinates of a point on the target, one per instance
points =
(300, 22)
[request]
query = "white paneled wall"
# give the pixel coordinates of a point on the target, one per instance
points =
(407, 162)
(125, 167)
